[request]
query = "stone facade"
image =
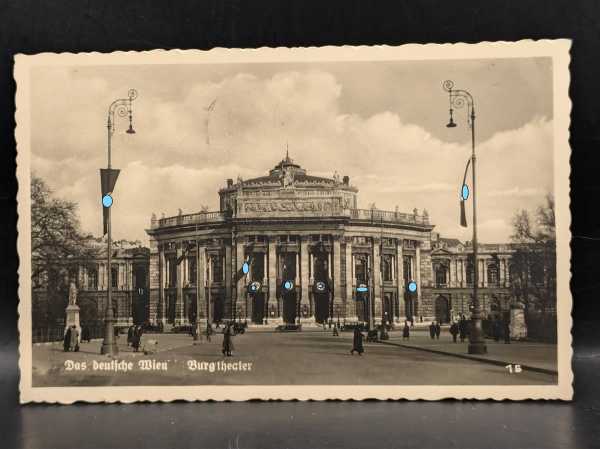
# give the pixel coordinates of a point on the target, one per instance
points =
(294, 227)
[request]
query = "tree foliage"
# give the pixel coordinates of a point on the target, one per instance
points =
(533, 265)
(58, 246)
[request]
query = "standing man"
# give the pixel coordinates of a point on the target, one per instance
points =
(454, 331)
(432, 330)
(438, 330)
(507, 332)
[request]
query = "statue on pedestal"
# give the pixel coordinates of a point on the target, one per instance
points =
(72, 311)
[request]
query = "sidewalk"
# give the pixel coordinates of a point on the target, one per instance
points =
(540, 357)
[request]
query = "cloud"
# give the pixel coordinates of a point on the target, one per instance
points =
(182, 153)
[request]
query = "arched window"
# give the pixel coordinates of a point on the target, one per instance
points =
(492, 274)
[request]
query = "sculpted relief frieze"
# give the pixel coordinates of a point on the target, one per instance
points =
(292, 205)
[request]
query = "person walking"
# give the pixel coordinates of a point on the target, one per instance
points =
(438, 330)
(405, 331)
(335, 330)
(227, 341)
(208, 332)
(67, 340)
(454, 331)
(130, 333)
(357, 342)
(74, 343)
(432, 330)
(136, 338)
(462, 329)
(507, 332)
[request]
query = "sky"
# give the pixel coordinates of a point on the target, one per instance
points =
(380, 123)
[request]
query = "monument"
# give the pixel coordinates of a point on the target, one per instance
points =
(72, 311)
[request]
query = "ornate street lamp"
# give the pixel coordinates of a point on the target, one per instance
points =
(458, 98)
(122, 107)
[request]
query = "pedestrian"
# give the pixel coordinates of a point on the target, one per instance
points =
(432, 330)
(130, 332)
(507, 332)
(438, 330)
(227, 341)
(136, 338)
(335, 330)
(405, 331)
(462, 329)
(496, 330)
(357, 342)
(208, 332)
(67, 340)
(454, 331)
(74, 343)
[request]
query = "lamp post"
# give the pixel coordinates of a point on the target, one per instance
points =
(458, 98)
(122, 107)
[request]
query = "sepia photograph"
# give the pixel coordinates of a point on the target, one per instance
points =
(307, 223)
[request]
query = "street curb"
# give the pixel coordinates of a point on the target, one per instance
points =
(471, 357)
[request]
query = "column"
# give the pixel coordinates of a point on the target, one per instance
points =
(350, 306)
(451, 273)
(272, 273)
(179, 294)
(484, 273)
(161, 314)
(507, 274)
(501, 263)
(201, 287)
(417, 271)
(400, 281)
(312, 268)
(241, 282)
(304, 279)
(376, 290)
(337, 277)
(229, 300)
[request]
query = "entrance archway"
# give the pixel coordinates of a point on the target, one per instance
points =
(321, 307)
(289, 308)
(388, 309)
(258, 308)
(442, 310)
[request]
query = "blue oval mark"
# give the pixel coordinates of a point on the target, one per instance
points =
(362, 289)
(320, 286)
(245, 268)
(412, 286)
(465, 192)
(107, 200)
(288, 285)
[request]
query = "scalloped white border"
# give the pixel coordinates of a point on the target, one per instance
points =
(558, 50)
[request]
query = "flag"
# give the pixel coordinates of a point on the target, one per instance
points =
(463, 215)
(184, 253)
(108, 179)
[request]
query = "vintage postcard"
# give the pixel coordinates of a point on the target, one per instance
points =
(295, 223)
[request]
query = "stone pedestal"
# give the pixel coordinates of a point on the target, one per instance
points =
(72, 319)
(518, 328)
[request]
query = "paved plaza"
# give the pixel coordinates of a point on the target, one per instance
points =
(271, 358)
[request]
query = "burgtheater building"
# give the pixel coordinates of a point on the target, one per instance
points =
(308, 248)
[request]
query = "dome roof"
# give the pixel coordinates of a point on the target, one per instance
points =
(287, 171)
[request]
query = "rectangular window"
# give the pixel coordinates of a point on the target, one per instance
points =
(92, 279)
(114, 276)
(386, 267)
(217, 268)
(191, 269)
